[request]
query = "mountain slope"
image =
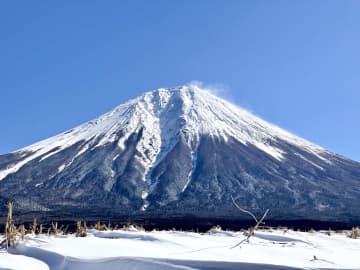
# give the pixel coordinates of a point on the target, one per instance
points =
(181, 151)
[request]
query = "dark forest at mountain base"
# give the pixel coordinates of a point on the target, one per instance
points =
(187, 223)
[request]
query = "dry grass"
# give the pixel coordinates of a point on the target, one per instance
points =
(100, 227)
(81, 229)
(10, 228)
(34, 227)
(22, 231)
(355, 232)
(55, 229)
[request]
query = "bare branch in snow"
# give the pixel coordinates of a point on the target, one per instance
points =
(252, 229)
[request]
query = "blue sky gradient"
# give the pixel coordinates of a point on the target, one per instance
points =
(293, 63)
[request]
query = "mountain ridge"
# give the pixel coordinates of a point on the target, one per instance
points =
(170, 150)
(95, 127)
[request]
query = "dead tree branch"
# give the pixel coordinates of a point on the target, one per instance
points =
(251, 229)
(244, 210)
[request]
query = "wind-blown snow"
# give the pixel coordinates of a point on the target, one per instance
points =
(162, 115)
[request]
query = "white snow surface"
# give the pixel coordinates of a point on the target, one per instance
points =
(163, 114)
(134, 249)
(19, 262)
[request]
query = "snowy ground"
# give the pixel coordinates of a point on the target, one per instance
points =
(184, 250)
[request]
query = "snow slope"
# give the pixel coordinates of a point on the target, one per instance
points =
(180, 151)
(17, 262)
(157, 113)
(185, 250)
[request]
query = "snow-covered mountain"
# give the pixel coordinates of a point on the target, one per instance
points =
(181, 151)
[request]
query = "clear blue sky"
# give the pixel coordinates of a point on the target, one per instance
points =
(294, 63)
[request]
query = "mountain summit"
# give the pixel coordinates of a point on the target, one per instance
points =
(181, 151)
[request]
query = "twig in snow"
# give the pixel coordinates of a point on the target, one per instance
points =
(251, 229)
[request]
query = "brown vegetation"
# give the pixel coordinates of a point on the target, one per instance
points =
(81, 229)
(354, 232)
(10, 228)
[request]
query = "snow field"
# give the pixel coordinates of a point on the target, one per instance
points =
(136, 249)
